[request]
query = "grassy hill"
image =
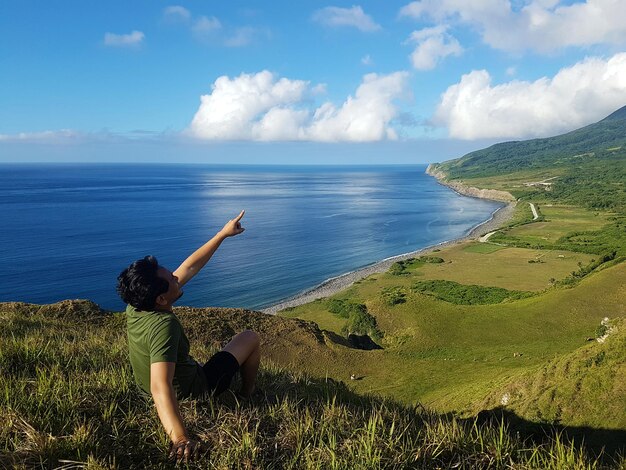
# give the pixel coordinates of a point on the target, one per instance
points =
(449, 354)
(586, 167)
(581, 388)
(507, 157)
(68, 401)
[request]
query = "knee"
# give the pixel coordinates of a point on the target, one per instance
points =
(251, 338)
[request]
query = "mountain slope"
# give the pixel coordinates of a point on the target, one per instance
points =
(598, 138)
(585, 167)
(584, 388)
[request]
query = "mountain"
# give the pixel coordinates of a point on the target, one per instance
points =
(618, 115)
(603, 139)
(585, 167)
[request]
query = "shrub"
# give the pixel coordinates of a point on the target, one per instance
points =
(462, 294)
(344, 308)
(393, 296)
(400, 268)
(431, 259)
(359, 322)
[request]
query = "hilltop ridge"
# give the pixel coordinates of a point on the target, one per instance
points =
(604, 139)
(620, 114)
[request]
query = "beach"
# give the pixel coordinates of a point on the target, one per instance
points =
(334, 285)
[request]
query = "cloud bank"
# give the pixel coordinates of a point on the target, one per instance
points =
(575, 96)
(353, 17)
(539, 25)
(63, 135)
(262, 107)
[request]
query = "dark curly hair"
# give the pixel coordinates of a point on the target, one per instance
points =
(139, 285)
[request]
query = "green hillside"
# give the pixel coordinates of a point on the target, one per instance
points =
(586, 167)
(69, 401)
(507, 157)
(582, 388)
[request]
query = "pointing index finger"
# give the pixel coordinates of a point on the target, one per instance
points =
(238, 218)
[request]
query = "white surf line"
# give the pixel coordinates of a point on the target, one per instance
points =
(486, 237)
(532, 208)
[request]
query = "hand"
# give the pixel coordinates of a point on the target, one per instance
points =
(187, 450)
(233, 227)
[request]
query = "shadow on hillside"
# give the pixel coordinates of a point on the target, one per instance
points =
(606, 444)
(610, 441)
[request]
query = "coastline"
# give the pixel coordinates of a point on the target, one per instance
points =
(336, 284)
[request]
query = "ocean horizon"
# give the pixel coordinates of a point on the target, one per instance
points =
(71, 228)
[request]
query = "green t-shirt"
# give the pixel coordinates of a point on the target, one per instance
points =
(159, 337)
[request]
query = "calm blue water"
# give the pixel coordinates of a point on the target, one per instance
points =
(68, 230)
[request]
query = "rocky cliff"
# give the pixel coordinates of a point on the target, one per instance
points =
(461, 188)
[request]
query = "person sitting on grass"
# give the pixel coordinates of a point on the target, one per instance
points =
(159, 349)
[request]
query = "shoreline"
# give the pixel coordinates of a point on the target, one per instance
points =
(336, 284)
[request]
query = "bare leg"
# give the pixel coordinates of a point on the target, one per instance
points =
(246, 348)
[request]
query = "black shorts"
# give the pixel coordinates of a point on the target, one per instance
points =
(219, 371)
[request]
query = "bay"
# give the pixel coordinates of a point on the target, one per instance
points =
(70, 229)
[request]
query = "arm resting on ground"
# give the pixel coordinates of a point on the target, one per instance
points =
(162, 390)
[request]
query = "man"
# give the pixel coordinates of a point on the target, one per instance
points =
(159, 349)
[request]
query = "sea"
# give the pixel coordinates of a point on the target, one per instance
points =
(69, 229)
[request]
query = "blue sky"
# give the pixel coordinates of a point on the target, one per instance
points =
(301, 82)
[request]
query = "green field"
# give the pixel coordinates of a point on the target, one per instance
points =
(559, 221)
(452, 357)
(484, 248)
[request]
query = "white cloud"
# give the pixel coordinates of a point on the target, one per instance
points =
(176, 13)
(133, 39)
(540, 25)
(510, 71)
(204, 27)
(576, 96)
(433, 45)
(262, 107)
(209, 29)
(355, 17)
(244, 36)
(319, 89)
(367, 60)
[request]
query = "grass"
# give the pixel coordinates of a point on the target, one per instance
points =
(67, 397)
(68, 400)
(504, 267)
(447, 356)
(484, 248)
(576, 388)
(451, 356)
(560, 221)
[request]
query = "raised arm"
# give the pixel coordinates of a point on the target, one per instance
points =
(190, 267)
